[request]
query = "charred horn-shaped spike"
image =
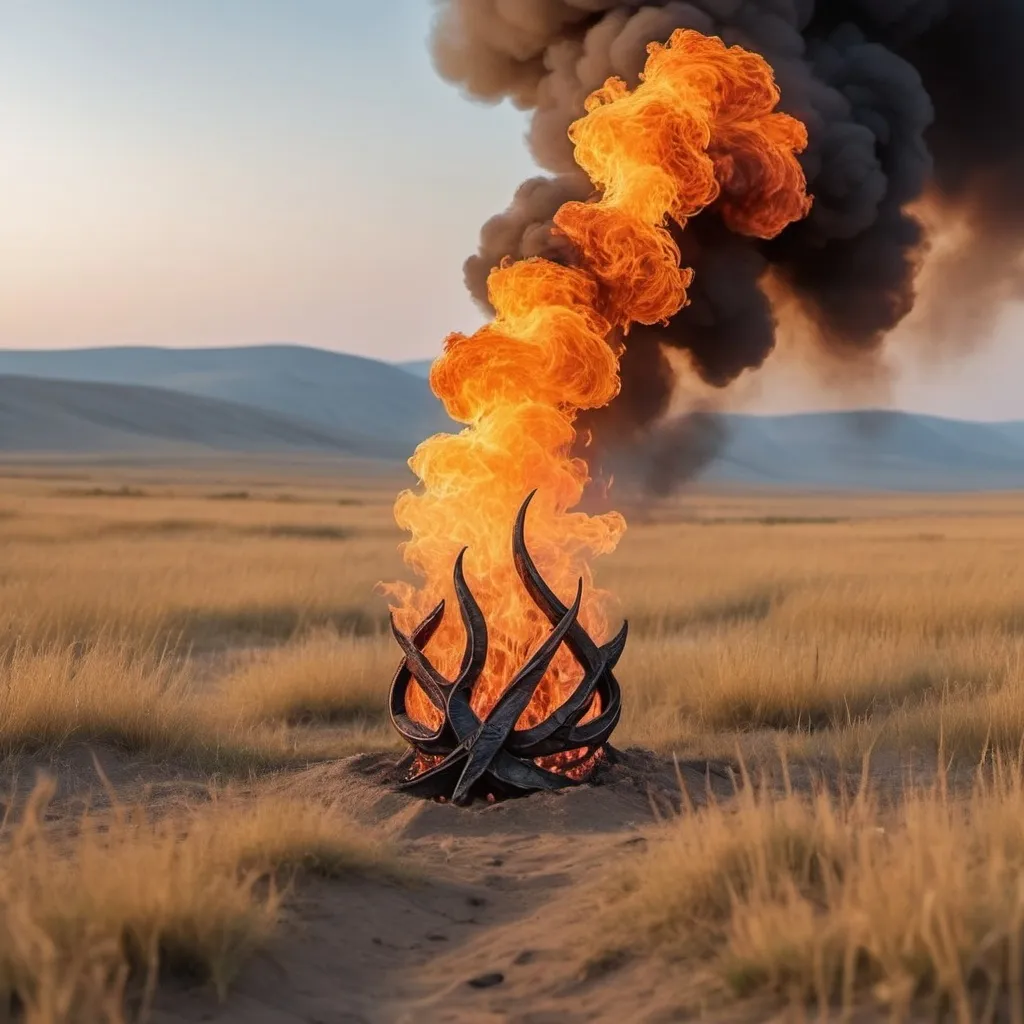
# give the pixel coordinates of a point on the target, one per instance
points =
(561, 731)
(464, 756)
(451, 699)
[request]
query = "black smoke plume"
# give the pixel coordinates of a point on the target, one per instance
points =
(903, 99)
(671, 452)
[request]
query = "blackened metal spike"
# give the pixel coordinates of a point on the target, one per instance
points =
(552, 735)
(546, 736)
(499, 723)
(424, 632)
(522, 687)
(459, 718)
(435, 686)
(595, 732)
(438, 780)
(419, 735)
(597, 662)
(475, 624)
(523, 775)
(461, 715)
(413, 732)
(568, 737)
(582, 646)
(612, 650)
(557, 733)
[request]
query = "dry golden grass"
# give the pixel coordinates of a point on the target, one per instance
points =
(188, 570)
(840, 621)
(321, 677)
(125, 898)
(837, 900)
(144, 702)
(231, 623)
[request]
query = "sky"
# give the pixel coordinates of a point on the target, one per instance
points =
(204, 172)
(231, 172)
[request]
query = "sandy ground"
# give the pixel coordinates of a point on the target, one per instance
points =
(500, 930)
(502, 925)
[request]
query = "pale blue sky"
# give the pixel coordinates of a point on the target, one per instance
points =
(205, 172)
(200, 172)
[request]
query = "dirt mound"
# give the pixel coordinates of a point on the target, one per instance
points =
(634, 790)
(503, 929)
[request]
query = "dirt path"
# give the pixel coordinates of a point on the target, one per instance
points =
(502, 930)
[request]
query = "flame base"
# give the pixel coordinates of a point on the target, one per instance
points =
(468, 756)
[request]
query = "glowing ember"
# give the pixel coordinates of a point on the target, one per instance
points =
(699, 129)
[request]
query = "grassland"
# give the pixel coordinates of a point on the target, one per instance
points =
(226, 624)
(89, 918)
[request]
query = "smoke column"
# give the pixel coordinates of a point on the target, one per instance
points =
(903, 99)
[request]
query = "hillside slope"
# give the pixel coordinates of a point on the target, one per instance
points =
(67, 417)
(272, 396)
(871, 449)
(417, 367)
(340, 394)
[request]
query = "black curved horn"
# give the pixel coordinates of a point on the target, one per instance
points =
(467, 755)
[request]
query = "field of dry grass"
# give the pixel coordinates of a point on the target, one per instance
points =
(90, 918)
(227, 625)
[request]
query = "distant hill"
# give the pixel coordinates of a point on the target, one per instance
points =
(870, 449)
(388, 408)
(417, 367)
(287, 398)
(76, 418)
(862, 450)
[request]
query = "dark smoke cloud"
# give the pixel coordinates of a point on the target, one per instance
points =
(902, 98)
(657, 461)
(678, 449)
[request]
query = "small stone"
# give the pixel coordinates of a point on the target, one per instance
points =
(486, 980)
(526, 957)
(476, 901)
(437, 937)
(496, 862)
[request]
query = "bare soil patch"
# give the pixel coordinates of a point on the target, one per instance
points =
(499, 932)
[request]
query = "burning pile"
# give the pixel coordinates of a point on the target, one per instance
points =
(472, 697)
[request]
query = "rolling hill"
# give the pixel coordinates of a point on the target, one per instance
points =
(871, 449)
(69, 417)
(291, 398)
(862, 450)
(345, 395)
(417, 367)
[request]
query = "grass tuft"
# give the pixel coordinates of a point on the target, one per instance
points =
(128, 897)
(838, 899)
(323, 677)
(142, 703)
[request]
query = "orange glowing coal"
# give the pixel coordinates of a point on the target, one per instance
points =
(700, 128)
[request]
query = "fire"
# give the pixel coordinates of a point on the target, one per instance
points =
(700, 128)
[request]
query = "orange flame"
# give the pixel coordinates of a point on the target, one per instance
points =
(700, 128)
